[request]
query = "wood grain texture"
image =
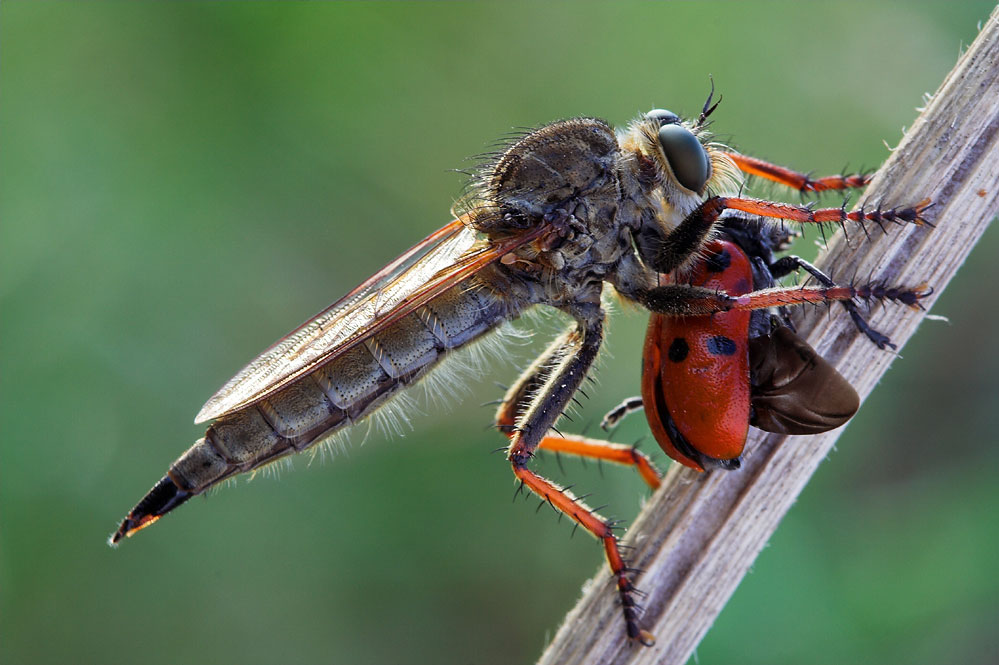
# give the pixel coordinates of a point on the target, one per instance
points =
(698, 536)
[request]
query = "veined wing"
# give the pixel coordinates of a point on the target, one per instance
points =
(435, 264)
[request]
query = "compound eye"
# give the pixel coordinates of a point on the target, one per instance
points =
(686, 156)
(663, 117)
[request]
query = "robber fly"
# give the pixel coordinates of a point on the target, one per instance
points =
(563, 212)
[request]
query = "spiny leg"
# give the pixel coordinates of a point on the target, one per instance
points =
(571, 444)
(665, 252)
(787, 264)
(533, 405)
(598, 449)
(685, 300)
(618, 453)
(801, 182)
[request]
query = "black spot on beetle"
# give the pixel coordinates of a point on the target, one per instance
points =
(678, 350)
(719, 262)
(719, 345)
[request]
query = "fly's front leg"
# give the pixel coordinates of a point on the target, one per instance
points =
(666, 252)
(531, 408)
(801, 182)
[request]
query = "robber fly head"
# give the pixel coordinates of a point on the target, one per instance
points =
(684, 156)
(680, 157)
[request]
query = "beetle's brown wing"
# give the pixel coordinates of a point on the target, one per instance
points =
(438, 262)
(794, 390)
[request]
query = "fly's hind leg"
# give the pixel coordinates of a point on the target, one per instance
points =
(570, 444)
(531, 408)
(598, 449)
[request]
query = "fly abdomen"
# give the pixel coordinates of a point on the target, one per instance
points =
(340, 392)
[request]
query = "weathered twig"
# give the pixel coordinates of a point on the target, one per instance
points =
(698, 536)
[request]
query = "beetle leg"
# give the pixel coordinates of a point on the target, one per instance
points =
(621, 411)
(530, 409)
(801, 182)
(787, 264)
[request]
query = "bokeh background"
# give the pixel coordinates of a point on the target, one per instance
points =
(180, 184)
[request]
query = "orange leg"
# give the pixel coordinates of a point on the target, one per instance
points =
(666, 253)
(683, 300)
(781, 297)
(617, 453)
(563, 501)
(806, 215)
(795, 180)
(530, 409)
(581, 446)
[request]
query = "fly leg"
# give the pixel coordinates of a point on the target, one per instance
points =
(788, 264)
(685, 300)
(531, 408)
(667, 252)
(571, 444)
(801, 182)
(598, 449)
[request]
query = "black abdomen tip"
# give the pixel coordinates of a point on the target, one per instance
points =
(164, 497)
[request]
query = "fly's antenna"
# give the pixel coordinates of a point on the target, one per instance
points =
(708, 107)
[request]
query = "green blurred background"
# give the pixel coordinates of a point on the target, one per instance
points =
(183, 183)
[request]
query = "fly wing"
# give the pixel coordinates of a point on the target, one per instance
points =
(438, 262)
(795, 391)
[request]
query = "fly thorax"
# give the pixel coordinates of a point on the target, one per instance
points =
(544, 174)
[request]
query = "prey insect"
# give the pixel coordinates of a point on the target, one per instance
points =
(706, 379)
(564, 213)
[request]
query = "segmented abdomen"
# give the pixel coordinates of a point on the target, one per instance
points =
(340, 392)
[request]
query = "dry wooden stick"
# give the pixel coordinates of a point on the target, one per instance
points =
(698, 536)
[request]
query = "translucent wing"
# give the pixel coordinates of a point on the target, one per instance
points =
(432, 266)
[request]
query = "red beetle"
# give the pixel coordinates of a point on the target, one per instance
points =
(706, 379)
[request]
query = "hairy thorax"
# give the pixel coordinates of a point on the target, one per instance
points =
(573, 177)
